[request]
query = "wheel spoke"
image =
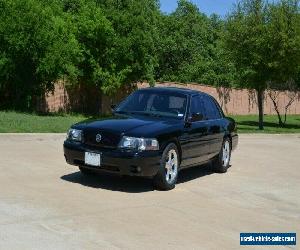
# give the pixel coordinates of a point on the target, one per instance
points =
(226, 153)
(171, 166)
(167, 175)
(172, 163)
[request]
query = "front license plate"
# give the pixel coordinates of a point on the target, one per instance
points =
(92, 159)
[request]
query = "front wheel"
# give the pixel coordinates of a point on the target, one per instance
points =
(166, 177)
(221, 163)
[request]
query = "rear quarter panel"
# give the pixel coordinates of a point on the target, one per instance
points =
(232, 132)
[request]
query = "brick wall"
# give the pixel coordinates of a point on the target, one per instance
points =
(83, 98)
(54, 101)
(237, 101)
(90, 99)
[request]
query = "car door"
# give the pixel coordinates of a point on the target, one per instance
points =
(215, 125)
(194, 142)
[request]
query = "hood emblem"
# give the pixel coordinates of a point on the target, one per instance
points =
(98, 137)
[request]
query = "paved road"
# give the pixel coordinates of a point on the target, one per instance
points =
(46, 204)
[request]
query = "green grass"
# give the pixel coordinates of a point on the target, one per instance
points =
(249, 124)
(13, 122)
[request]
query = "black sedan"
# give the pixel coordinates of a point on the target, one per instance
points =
(155, 132)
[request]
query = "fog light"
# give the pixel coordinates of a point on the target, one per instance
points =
(135, 169)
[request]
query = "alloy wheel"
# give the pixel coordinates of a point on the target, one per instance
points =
(226, 153)
(171, 166)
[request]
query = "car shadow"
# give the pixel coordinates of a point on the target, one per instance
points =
(111, 182)
(193, 173)
(130, 184)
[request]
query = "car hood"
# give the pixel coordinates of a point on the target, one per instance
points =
(129, 125)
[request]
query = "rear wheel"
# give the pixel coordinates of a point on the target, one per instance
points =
(221, 163)
(166, 177)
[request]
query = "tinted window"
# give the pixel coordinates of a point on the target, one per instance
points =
(152, 102)
(197, 105)
(211, 109)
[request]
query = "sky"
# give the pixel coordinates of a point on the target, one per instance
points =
(220, 7)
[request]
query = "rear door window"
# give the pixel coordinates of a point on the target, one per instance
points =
(197, 105)
(211, 110)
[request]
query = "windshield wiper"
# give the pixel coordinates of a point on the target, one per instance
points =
(149, 114)
(121, 112)
(139, 113)
(128, 112)
(155, 115)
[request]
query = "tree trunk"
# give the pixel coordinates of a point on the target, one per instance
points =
(281, 124)
(260, 103)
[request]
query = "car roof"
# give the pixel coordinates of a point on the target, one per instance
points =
(173, 90)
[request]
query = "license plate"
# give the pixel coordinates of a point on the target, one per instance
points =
(92, 159)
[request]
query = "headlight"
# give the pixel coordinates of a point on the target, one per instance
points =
(141, 144)
(74, 134)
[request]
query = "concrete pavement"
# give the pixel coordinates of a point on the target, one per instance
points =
(47, 204)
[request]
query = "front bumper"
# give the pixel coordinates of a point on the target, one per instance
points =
(115, 161)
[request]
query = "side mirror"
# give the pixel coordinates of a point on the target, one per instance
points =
(196, 117)
(113, 106)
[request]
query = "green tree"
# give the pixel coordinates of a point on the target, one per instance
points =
(263, 42)
(284, 53)
(191, 49)
(183, 44)
(97, 40)
(134, 23)
(221, 71)
(246, 42)
(36, 49)
(283, 38)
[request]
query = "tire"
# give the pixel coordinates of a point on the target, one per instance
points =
(85, 171)
(166, 177)
(221, 162)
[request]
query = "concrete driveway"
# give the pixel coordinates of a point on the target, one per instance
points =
(47, 204)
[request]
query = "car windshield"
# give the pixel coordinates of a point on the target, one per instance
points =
(155, 104)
